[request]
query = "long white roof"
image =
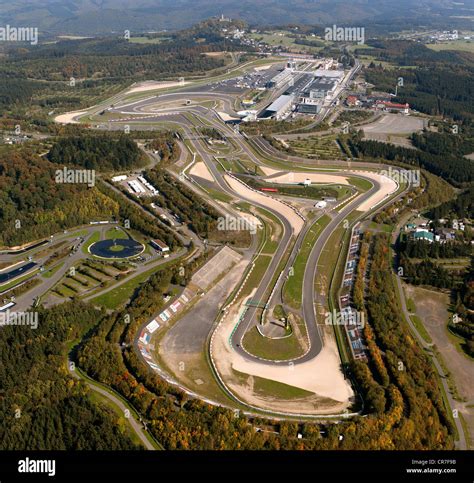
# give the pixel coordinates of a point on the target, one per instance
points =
(280, 103)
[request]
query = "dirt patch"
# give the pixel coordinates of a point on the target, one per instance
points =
(314, 177)
(387, 187)
(69, 117)
(295, 221)
(321, 376)
(201, 171)
(152, 85)
(269, 171)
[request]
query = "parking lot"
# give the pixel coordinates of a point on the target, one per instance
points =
(395, 124)
(205, 277)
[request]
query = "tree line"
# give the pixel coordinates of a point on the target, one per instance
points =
(177, 198)
(441, 85)
(399, 382)
(33, 205)
(97, 152)
(455, 169)
(424, 249)
(43, 406)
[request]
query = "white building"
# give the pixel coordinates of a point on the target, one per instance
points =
(280, 107)
(160, 246)
(333, 74)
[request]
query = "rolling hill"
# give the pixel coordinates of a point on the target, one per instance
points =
(89, 17)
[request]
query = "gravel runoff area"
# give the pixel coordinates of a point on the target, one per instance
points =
(298, 177)
(69, 117)
(154, 85)
(251, 195)
(201, 171)
(387, 185)
(321, 376)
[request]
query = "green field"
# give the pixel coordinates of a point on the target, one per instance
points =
(381, 227)
(219, 195)
(115, 234)
(88, 277)
(315, 191)
(94, 238)
(261, 265)
(267, 387)
(271, 349)
(460, 45)
(293, 288)
(272, 227)
(286, 39)
(148, 40)
(117, 297)
(368, 59)
(273, 389)
(52, 271)
(417, 322)
(360, 183)
(278, 312)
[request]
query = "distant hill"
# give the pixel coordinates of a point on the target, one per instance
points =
(89, 17)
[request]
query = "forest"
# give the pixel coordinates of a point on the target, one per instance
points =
(174, 196)
(33, 205)
(446, 142)
(424, 249)
(109, 58)
(406, 409)
(97, 152)
(427, 272)
(165, 146)
(400, 378)
(462, 206)
(42, 406)
(455, 169)
(441, 85)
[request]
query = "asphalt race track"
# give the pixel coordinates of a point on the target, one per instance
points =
(156, 108)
